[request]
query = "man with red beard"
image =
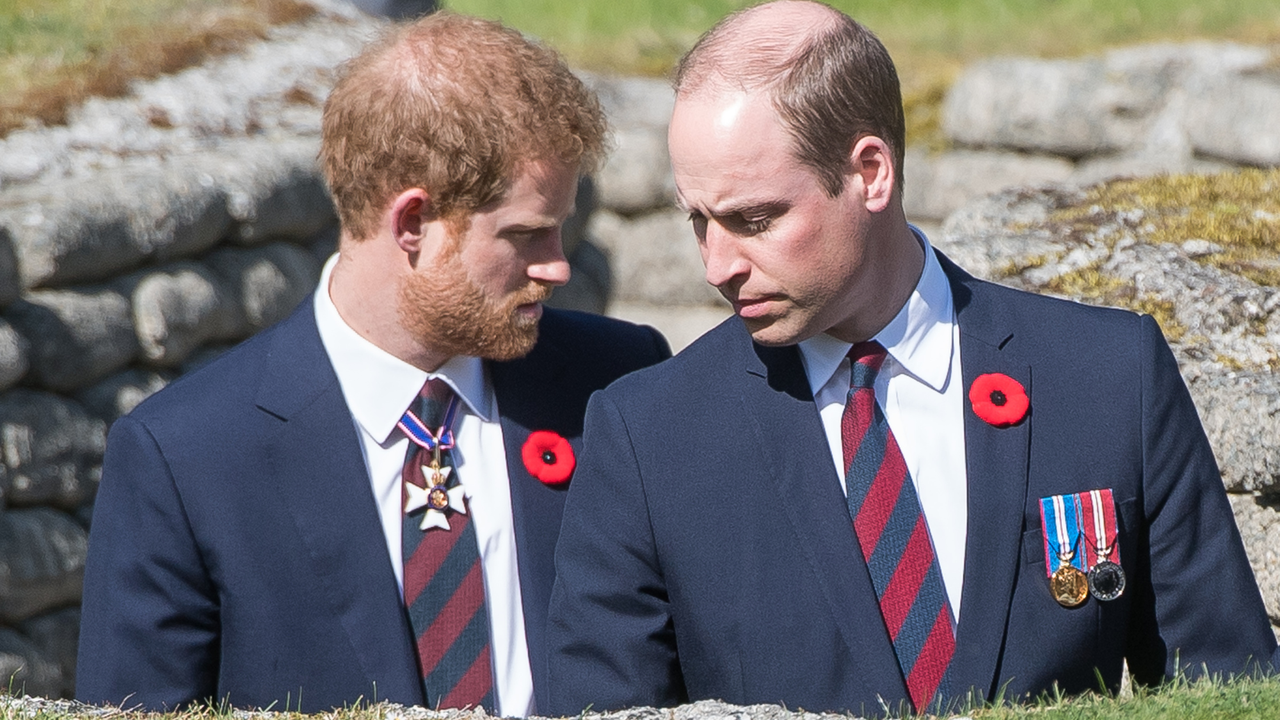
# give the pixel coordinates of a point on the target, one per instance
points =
(362, 503)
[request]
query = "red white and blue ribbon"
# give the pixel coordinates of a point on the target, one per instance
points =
(1060, 518)
(419, 433)
(1098, 523)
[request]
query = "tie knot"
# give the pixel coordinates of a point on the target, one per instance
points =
(432, 402)
(866, 357)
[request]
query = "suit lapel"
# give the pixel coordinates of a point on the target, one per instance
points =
(996, 465)
(532, 396)
(789, 432)
(320, 473)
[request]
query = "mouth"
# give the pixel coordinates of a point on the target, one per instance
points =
(752, 307)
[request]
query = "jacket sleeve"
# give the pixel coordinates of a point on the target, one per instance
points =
(611, 638)
(1201, 609)
(149, 631)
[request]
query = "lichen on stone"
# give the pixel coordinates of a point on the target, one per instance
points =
(1232, 218)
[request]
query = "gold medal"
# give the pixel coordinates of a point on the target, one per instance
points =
(1069, 586)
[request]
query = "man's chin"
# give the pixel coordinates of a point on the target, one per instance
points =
(516, 343)
(773, 332)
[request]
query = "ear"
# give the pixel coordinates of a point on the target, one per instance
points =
(407, 219)
(873, 170)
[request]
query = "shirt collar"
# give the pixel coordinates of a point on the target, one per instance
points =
(378, 386)
(919, 337)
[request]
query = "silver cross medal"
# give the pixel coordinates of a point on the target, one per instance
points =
(436, 498)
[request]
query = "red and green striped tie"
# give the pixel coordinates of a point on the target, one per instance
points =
(443, 580)
(894, 538)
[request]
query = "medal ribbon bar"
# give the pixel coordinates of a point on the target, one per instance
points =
(1059, 517)
(423, 436)
(1098, 516)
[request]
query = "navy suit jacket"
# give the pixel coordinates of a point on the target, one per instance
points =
(707, 549)
(236, 551)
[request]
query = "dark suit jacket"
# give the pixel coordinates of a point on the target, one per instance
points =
(707, 551)
(236, 550)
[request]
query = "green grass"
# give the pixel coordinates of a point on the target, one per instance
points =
(1199, 700)
(930, 40)
(1247, 699)
(55, 52)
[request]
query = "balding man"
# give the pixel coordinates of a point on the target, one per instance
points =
(884, 486)
(362, 503)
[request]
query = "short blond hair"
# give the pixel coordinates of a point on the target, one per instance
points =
(454, 105)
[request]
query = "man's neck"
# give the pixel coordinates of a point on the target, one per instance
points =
(890, 274)
(367, 299)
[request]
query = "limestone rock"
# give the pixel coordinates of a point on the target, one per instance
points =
(937, 185)
(50, 450)
(76, 336)
(120, 394)
(13, 355)
(1241, 415)
(631, 102)
(268, 282)
(42, 554)
(26, 669)
(80, 230)
(1259, 523)
(1062, 107)
(274, 188)
(654, 259)
(1158, 104)
(56, 636)
(178, 308)
(637, 174)
(1237, 118)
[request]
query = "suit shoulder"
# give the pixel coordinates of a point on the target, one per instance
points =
(699, 367)
(233, 375)
(585, 335)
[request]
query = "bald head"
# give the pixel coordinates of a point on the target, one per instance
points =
(829, 79)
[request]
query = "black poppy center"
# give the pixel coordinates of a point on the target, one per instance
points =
(548, 457)
(998, 399)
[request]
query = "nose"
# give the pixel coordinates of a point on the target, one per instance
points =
(551, 267)
(723, 259)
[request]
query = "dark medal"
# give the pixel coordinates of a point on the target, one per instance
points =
(1106, 580)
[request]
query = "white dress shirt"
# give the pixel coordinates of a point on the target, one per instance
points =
(921, 390)
(378, 388)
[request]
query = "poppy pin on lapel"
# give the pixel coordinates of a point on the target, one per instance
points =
(548, 457)
(999, 400)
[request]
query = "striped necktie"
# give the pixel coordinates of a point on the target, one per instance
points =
(443, 580)
(894, 538)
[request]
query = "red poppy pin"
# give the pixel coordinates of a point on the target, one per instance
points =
(548, 457)
(999, 399)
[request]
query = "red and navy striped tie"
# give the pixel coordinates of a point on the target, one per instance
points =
(444, 584)
(894, 538)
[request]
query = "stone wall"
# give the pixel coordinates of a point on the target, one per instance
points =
(156, 229)
(1016, 122)
(135, 243)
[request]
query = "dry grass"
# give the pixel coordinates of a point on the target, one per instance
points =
(55, 59)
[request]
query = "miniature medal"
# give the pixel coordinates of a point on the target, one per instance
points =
(437, 492)
(1098, 511)
(1069, 586)
(1106, 580)
(1063, 564)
